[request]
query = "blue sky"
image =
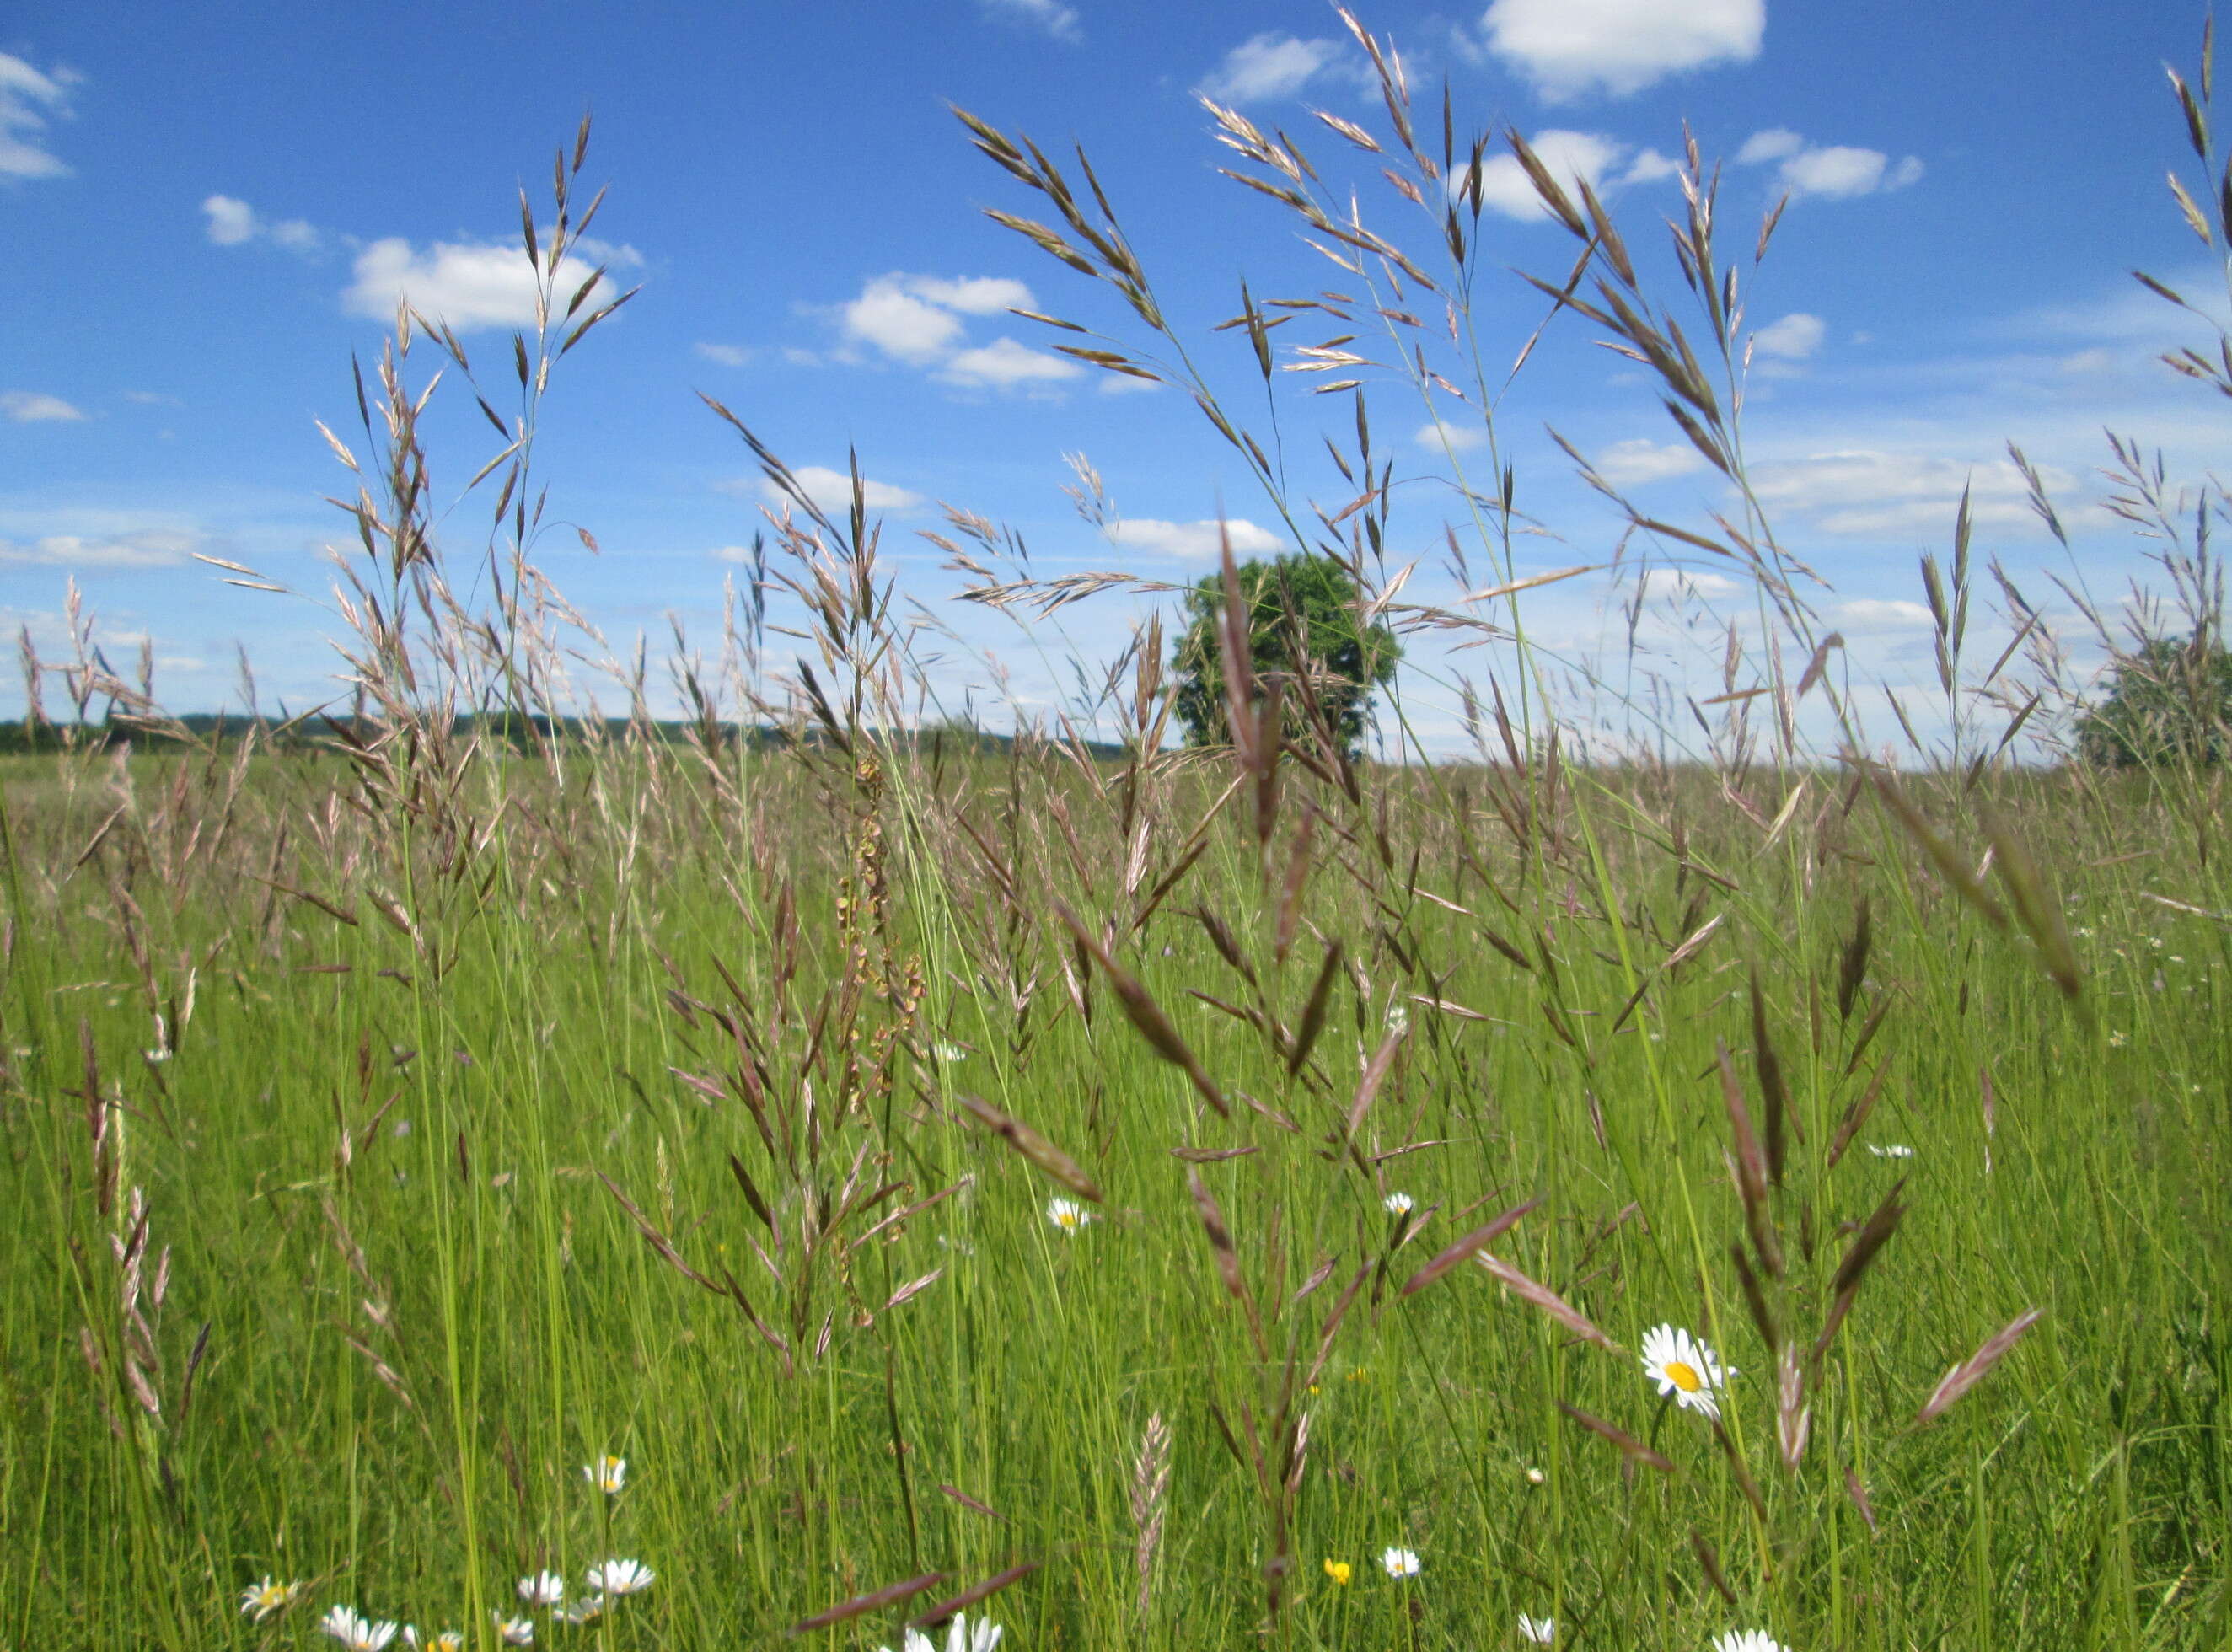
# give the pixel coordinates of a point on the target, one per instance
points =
(206, 210)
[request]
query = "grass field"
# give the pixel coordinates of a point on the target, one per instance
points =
(1179, 1199)
(367, 1178)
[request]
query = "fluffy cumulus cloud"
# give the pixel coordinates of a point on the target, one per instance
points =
(1052, 16)
(1004, 365)
(1632, 463)
(1270, 66)
(233, 222)
(35, 407)
(832, 490)
(1791, 339)
(1869, 493)
(1573, 157)
(920, 321)
(1569, 48)
(1678, 585)
(1455, 438)
(469, 284)
(728, 355)
(28, 101)
(1873, 616)
(114, 553)
(1833, 171)
(1200, 540)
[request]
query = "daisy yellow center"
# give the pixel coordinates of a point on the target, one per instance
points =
(1683, 1376)
(1067, 1219)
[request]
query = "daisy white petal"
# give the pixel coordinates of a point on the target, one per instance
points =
(514, 1631)
(543, 1589)
(1398, 1204)
(962, 1638)
(1400, 1563)
(1542, 1631)
(1068, 1215)
(1748, 1641)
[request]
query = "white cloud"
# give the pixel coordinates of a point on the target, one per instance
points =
(901, 325)
(1631, 465)
(1678, 583)
(1004, 364)
(728, 355)
(1201, 539)
(1776, 143)
(1900, 495)
(28, 99)
(1570, 156)
(1270, 66)
(1649, 166)
(29, 407)
(1058, 20)
(1570, 47)
(1456, 438)
(832, 490)
(916, 321)
(122, 550)
(230, 221)
(1835, 171)
(731, 553)
(1794, 338)
(468, 284)
(971, 294)
(233, 222)
(1873, 614)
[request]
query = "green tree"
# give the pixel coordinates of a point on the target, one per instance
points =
(1304, 633)
(2171, 702)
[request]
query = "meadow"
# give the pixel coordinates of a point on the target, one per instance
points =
(790, 1190)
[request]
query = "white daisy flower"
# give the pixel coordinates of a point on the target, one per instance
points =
(514, 1631)
(620, 1578)
(2118, 1039)
(1400, 1563)
(1541, 1630)
(1068, 1215)
(264, 1597)
(983, 1636)
(585, 1609)
(543, 1589)
(1684, 1368)
(357, 1634)
(1398, 1204)
(608, 1474)
(1535, 1477)
(447, 1641)
(1891, 1151)
(1748, 1641)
